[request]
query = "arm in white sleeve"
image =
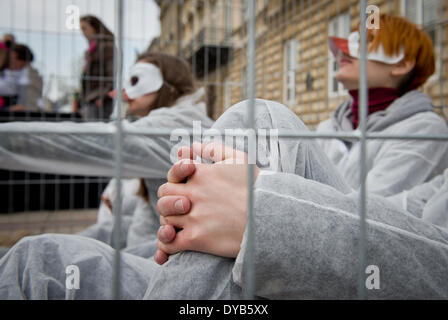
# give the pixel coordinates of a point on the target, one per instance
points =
(415, 200)
(403, 164)
(82, 154)
(306, 238)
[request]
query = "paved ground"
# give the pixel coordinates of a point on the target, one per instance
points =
(15, 226)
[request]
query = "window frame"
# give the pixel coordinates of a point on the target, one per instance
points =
(419, 20)
(290, 58)
(331, 59)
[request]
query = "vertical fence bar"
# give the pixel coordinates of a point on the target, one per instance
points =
(441, 82)
(363, 96)
(43, 185)
(119, 144)
(249, 274)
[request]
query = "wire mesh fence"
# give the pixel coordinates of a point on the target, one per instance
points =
(237, 49)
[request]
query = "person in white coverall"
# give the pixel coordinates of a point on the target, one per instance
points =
(306, 222)
(137, 209)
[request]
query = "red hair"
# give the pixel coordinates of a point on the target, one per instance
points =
(397, 32)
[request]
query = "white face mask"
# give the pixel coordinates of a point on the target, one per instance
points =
(379, 55)
(144, 78)
(350, 46)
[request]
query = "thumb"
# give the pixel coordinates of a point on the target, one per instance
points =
(180, 243)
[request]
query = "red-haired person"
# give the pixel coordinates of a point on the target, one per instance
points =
(400, 60)
(309, 226)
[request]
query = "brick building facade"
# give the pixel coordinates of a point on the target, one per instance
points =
(293, 64)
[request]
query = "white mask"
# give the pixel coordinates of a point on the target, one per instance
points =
(379, 55)
(144, 78)
(350, 46)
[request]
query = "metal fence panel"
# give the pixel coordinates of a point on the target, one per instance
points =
(238, 49)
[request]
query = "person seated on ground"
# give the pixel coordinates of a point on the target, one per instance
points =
(400, 60)
(306, 242)
(139, 227)
(306, 234)
(21, 84)
(162, 93)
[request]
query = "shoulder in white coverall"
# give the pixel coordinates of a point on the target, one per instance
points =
(392, 165)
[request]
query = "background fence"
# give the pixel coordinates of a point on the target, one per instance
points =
(238, 49)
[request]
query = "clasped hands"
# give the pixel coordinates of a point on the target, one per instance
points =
(203, 207)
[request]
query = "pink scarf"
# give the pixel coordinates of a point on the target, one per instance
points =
(92, 47)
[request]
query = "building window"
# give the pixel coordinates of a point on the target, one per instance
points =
(246, 9)
(419, 11)
(290, 67)
(228, 25)
(339, 26)
(424, 13)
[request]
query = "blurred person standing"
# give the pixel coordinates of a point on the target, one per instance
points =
(98, 72)
(20, 83)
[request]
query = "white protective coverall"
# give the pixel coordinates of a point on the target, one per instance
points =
(129, 189)
(306, 241)
(393, 165)
(428, 201)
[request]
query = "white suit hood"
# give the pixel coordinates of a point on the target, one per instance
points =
(402, 108)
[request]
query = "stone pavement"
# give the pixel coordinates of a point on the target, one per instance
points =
(14, 226)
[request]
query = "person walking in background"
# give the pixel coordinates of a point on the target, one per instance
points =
(97, 76)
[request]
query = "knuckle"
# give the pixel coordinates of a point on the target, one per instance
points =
(177, 170)
(184, 152)
(163, 247)
(160, 206)
(161, 190)
(165, 206)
